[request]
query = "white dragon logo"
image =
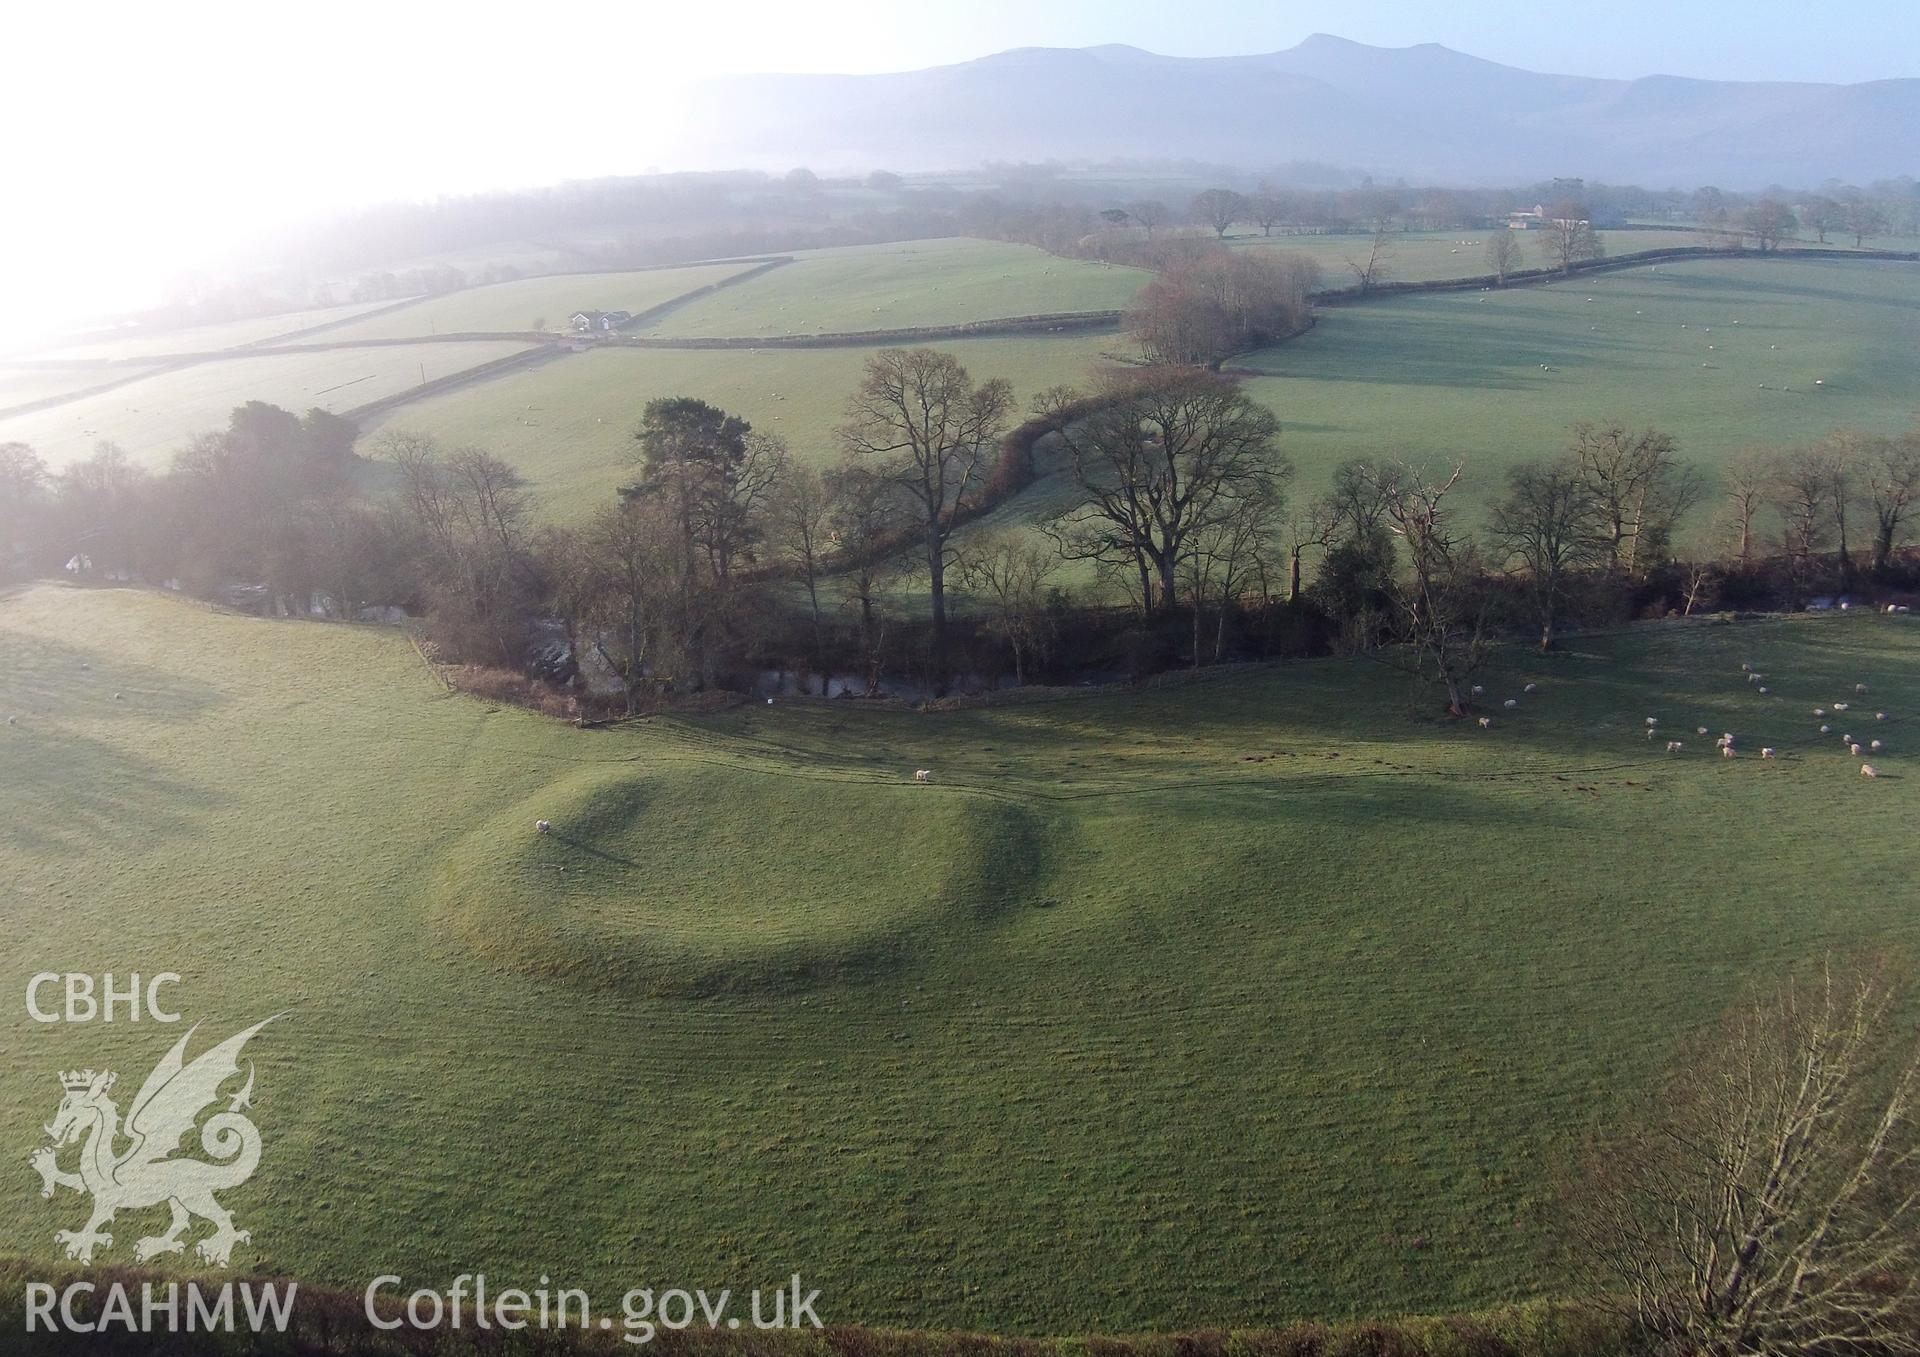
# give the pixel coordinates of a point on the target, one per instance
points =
(165, 1110)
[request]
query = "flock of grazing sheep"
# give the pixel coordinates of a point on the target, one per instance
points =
(1728, 744)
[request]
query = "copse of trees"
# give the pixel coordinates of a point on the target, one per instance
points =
(1200, 310)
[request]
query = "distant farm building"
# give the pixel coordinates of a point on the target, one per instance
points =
(597, 322)
(1538, 219)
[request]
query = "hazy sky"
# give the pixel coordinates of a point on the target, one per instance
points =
(143, 137)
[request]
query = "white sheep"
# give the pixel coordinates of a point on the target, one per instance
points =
(119, 697)
(13, 720)
(1846, 739)
(1826, 730)
(923, 775)
(1746, 667)
(543, 826)
(1651, 732)
(1529, 688)
(1841, 706)
(1859, 690)
(1766, 751)
(1699, 730)
(1673, 746)
(1486, 723)
(1726, 751)
(1868, 770)
(1819, 711)
(1653, 720)
(1763, 690)
(1510, 704)
(1477, 690)
(1874, 745)
(1879, 716)
(1854, 750)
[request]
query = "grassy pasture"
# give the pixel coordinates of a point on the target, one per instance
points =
(1459, 374)
(208, 338)
(568, 425)
(152, 417)
(1429, 256)
(1258, 982)
(903, 285)
(518, 304)
(20, 385)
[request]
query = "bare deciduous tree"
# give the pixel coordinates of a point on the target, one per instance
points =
(869, 517)
(1170, 454)
(919, 423)
(801, 513)
(1441, 596)
(1639, 486)
(1219, 208)
(1568, 237)
(1771, 1205)
(1747, 482)
(1314, 524)
(1548, 529)
(471, 512)
(1150, 213)
(1803, 497)
(1503, 254)
(1768, 222)
(1370, 270)
(1893, 489)
(1011, 572)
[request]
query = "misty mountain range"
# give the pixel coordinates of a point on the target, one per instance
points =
(1426, 113)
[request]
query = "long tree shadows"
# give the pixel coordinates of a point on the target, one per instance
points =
(51, 681)
(67, 793)
(68, 789)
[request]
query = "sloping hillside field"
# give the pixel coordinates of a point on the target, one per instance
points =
(1720, 353)
(156, 416)
(1256, 997)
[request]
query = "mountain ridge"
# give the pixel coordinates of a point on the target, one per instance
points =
(1426, 112)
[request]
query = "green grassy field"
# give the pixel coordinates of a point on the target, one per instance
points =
(568, 425)
(1428, 256)
(1209, 1004)
(1459, 374)
(19, 385)
(153, 417)
(207, 338)
(517, 305)
(899, 286)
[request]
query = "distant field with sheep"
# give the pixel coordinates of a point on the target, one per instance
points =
(1719, 353)
(1225, 1002)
